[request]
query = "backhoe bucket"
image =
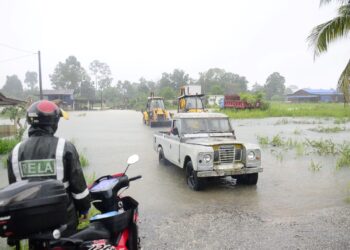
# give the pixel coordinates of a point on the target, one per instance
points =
(166, 123)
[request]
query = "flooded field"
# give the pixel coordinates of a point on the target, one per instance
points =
(296, 182)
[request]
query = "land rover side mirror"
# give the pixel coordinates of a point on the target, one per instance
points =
(175, 131)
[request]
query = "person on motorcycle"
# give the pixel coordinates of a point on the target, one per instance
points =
(43, 156)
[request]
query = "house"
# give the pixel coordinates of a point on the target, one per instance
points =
(315, 95)
(63, 96)
(6, 101)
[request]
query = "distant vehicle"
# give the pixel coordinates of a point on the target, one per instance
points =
(205, 146)
(190, 99)
(235, 102)
(155, 114)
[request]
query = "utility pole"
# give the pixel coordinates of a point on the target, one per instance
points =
(40, 81)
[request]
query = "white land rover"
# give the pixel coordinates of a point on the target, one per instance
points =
(204, 144)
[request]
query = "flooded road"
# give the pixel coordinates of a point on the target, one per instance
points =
(305, 209)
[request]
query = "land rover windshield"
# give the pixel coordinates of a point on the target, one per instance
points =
(205, 125)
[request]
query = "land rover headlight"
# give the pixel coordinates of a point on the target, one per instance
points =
(251, 156)
(207, 158)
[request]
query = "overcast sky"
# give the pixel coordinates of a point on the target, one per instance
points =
(145, 38)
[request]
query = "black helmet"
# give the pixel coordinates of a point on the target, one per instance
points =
(43, 113)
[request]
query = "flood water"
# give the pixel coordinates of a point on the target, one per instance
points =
(287, 187)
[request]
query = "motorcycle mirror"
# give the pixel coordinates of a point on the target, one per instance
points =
(133, 159)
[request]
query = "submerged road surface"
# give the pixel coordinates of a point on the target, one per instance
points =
(290, 208)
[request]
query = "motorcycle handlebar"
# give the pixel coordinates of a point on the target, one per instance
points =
(135, 178)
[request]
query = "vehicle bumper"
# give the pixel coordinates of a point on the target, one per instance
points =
(229, 172)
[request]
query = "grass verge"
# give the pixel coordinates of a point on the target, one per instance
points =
(281, 109)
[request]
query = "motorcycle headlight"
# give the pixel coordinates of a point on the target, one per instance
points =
(207, 158)
(251, 156)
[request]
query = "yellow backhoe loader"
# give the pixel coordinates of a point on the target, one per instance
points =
(155, 114)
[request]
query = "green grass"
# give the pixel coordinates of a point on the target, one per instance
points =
(315, 166)
(341, 120)
(281, 109)
(278, 154)
(300, 149)
(285, 121)
(297, 131)
(277, 141)
(322, 147)
(321, 129)
(263, 140)
(84, 162)
(344, 159)
(6, 145)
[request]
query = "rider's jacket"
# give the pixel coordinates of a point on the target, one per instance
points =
(44, 156)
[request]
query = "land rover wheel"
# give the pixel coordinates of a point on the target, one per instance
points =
(252, 179)
(247, 179)
(161, 157)
(192, 179)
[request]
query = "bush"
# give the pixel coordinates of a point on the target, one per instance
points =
(264, 106)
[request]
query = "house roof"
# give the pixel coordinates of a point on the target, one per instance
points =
(5, 101)
(322, 91)
(302, 96)
(58, 91)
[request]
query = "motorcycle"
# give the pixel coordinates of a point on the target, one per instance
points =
(37, 211)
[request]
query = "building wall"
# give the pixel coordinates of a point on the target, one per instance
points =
(215, 99)
(304, 96)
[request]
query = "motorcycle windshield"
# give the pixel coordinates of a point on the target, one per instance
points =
(104, 185)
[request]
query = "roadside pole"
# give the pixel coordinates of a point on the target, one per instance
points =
(40, 81)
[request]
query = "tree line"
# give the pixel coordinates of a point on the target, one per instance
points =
(97, 84)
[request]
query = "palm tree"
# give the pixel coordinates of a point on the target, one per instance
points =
(324, 34)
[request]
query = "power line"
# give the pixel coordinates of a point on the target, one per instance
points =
(10, 47)
(16, 58)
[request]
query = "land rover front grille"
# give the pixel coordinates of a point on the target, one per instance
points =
(226, 153)
(238, 154)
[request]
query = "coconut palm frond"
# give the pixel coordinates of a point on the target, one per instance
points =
(322, 35)
(344, 10)
(323, 2)
(344, 83)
